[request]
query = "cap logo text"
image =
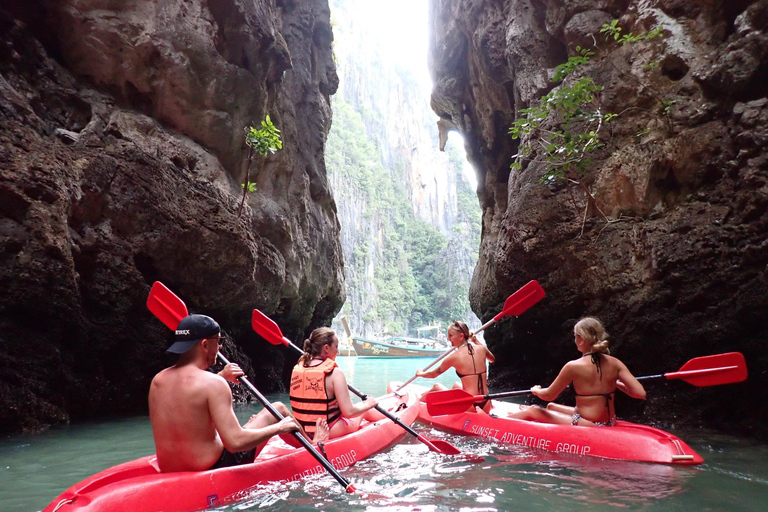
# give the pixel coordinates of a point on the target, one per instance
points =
(182, 332)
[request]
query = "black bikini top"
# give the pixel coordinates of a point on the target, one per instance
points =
(480, 387)
(608, 396)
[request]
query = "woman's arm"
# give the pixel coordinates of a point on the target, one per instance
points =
(341, 391)
(562, 380)
(439, 370)
(629, 384)
(488, 354)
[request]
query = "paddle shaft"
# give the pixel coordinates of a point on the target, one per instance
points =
(669, 376)
(306, 444)
(362, 395)
(433, 363)
(515, 304)
(689, 373)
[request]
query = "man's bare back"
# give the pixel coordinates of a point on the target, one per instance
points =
(184, 431)
(190, 409)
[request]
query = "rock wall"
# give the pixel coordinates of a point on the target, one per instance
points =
(121, 155)
(676, 267)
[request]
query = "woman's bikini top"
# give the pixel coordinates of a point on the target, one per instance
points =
(608, 396)
(480, 387)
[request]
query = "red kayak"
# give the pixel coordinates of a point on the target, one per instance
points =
(625, 441)
(139, 486)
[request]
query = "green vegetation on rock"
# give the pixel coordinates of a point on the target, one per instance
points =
(415, 280)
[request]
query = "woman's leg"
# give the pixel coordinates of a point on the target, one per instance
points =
(344, 426)
(536, 413)
(565, 409)
(436, 387)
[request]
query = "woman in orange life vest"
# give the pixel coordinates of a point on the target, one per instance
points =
(469, 362)
(594, 378)
(319, 389)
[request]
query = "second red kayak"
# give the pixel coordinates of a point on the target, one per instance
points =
(625, 441)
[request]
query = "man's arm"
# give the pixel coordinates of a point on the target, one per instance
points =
(235, 437)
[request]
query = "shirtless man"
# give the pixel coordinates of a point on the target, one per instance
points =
(190, 409)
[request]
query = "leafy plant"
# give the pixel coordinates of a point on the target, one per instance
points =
(575, 109)
(265, 140)
(613, 29)
(566, 123)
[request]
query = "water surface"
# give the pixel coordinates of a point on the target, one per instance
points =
(34, 469)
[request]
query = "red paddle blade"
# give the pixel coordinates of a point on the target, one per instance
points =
(521, 300)
(712, 370)
(267, 328)
(165, 305)
(439, 446)
(453, 401)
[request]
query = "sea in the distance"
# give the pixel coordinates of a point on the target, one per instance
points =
(34, 469)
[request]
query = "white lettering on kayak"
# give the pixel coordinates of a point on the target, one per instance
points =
(573, 448)
(521, 440)
(484, 431)
(342, 461)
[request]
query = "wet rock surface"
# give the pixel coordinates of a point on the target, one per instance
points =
(672, 254)
(121, 157)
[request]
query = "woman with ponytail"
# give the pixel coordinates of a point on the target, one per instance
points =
(469, 361)
(594, 377)
(319, 392)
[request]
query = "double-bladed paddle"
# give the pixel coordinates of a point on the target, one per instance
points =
(269, 330)
(170, 310)
(515, 305)
(700, 371)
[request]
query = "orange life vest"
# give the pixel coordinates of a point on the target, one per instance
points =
(309, 398)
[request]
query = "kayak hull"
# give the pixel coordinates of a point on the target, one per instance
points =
(138, 486)
(625, 441)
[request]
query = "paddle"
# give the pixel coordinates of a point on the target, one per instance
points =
(170, 310)
(515, 305)
(269, 330)
(700, 371)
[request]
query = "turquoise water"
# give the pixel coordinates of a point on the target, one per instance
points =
(34, 469)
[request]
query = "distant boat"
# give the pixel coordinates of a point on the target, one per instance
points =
(401, 346)
(345, 347)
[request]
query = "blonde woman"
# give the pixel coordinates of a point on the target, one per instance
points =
(594, 376)
(469, 362)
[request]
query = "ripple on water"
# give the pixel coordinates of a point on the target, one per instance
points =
(410, 477)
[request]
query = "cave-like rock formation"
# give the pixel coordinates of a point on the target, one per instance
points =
(677, 266)
(121, 158)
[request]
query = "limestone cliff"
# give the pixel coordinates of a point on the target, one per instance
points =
(676, 267)
(122, 154)
(387, 171)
